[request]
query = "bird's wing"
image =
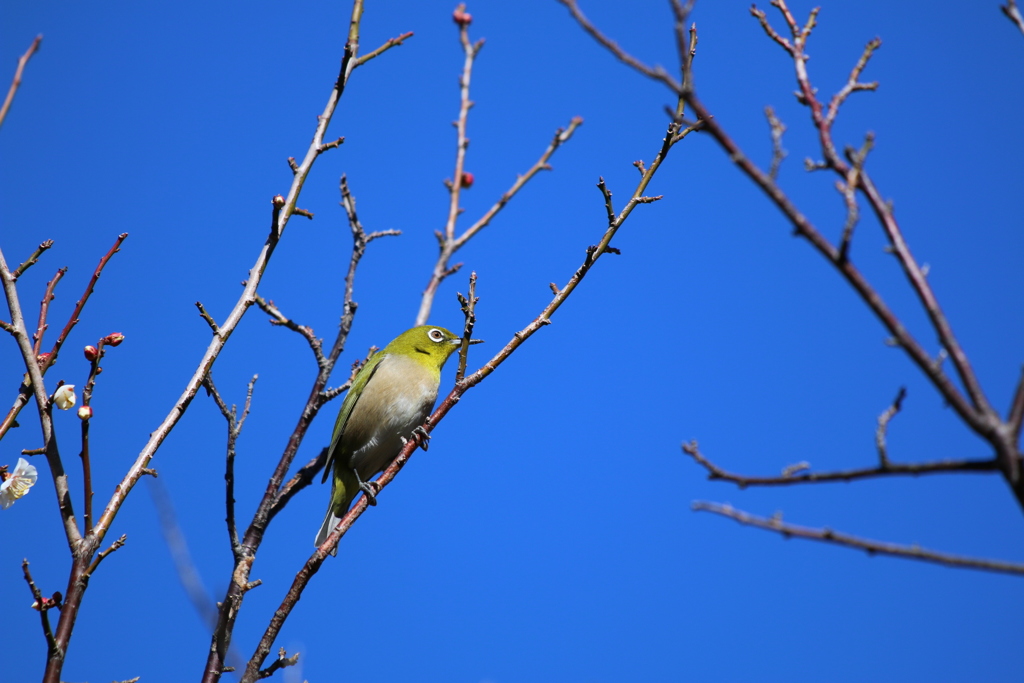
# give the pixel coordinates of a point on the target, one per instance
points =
(351, 398)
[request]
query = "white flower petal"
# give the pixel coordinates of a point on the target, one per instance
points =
(18, 483)
(65, 397)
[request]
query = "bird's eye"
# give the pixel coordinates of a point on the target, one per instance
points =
(436, 335)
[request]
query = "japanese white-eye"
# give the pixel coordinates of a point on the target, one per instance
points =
(390, 397)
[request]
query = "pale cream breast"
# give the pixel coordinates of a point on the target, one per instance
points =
(395, 401)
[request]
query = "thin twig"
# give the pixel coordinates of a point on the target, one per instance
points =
(80, 304)
(798, 474)
(44, 308)
(655, 72)
(778, 153)
(393, 42)
(281, 662)
(279, 318)
(33, 259)
(43, 606)
(826, 535)
(883, 426)
(449, 243)
(468, 304)
(16, 81)
(100, 556)
(235, 424)
(1016, 415)
(853, 83)
(848, 188)
(90, 384)
(209, 318)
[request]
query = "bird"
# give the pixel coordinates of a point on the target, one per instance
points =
(389, 399)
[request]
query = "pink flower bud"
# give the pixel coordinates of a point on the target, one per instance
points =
(85, 412)
(113, 339)
(467, 179)
(277, 201)
(90, 353)
(461, 17)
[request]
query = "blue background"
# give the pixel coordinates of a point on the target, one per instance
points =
(547, 535)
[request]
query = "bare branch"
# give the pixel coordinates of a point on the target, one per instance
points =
(100, 556)
(1016, 415)
(778, 153)
(235, 424)
(208, 318)
(281, 662)
(43, 605)
(883, 425)
(44, 307)
(393, 42)
(799, 474)
(656, 72)
(468, 304)
(848, 188)
(853, 84)
(278, 318)
(16, 81)
(33, 259)
(448, 241)
(826, 535)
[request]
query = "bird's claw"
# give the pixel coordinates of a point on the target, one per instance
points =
(421, 437)
(370, 490)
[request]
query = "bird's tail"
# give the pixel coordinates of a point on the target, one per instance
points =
(343, 489)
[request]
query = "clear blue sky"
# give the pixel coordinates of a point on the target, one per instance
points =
(547, 535)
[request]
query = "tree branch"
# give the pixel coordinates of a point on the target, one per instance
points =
(16, 81)
(448, 241)
(42, 604)
(593, 254)
(798, 474)
(33, 259)
(826, 535)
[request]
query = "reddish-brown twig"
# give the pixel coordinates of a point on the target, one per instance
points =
(44, 307)
(826, 535)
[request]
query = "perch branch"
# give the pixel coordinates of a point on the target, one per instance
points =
(593, 254)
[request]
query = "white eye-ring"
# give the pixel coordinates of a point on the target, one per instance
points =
(436, 335)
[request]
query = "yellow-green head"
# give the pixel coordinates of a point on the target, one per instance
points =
(426, 344)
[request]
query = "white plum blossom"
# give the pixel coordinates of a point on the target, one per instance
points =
(65, 397)
(17, 483)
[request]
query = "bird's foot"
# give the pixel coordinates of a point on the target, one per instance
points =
(421, 437)
(370, 489)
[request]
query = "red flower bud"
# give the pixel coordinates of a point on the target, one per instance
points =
(90, 353)
(467, 179)
(277, 201)
(461, 17)
(113, 339)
